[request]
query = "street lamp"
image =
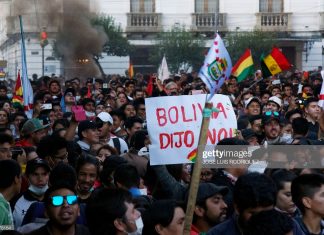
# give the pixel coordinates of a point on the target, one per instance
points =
(43, 44)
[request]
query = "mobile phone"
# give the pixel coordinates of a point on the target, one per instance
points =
(79, 113)
(47, 106)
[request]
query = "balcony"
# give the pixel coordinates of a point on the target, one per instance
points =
(273, 21)
(205, 22)
(144, 22)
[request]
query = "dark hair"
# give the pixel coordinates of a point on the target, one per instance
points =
(138, 102)
(88, 100)
(300, 126)
(127, 176)
(253, 118)
(269, 222)
(108, 147)
(118, 113)
(104, 207)
(161, 212)
(64, 122)
(138, 139)
(305, 186)
(50, 145)
(129, 122)
(5, 138)
(108, 167)
(14, 115)
(87, 160)
(242, 123)
(9, 169)
(63, 174)
(253, 190)
(282, 176)
(232, 141)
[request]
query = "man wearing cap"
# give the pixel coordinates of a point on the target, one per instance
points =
(37, 173)
(252, 106)
(210, 207)
(32, 131)
(274, 104)
(104, 124)
(312, 112)
(271, 128)
(88, 135)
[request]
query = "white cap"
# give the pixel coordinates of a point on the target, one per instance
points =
(276, 100)
(105, 117)
(249, 101)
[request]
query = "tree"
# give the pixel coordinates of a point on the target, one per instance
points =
(117, 45)
(259, 42)
(181, 49)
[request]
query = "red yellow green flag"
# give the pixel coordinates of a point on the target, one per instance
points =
(275, 62)
(130, 70)
(244, 66)
(18, 93)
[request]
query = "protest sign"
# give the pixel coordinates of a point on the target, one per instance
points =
(174, 124)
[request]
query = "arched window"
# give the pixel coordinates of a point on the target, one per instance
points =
(142, 6)
(273, 6)
(206, 6)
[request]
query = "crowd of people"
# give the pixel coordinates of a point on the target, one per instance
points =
(81, 164)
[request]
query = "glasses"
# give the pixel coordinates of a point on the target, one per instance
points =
(58, 200)
(270, 113)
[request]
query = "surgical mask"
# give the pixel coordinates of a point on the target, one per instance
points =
(77, 98)
(139, 227)
(287, 138)
(9, 95)
(39, 191)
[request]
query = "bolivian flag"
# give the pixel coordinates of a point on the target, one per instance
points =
(130, 70)
(274, 63)
(244, 66)
(18, 93)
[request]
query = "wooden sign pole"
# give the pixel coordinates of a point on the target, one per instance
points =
(195, 178)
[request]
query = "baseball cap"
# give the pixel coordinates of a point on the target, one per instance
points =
(248, 133)
(250, 100)
(207, 190)
(32, 126)
(105, 117)
(33, 164)
(85, 125)
(275, 100)
(269, 115)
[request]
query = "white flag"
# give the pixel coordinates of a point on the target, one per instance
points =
(163, 72)
(217, 66)
(321, 97)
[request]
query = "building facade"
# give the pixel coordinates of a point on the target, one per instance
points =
(300, 25)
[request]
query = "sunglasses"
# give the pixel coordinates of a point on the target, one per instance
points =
(59, 200)
(270, 113)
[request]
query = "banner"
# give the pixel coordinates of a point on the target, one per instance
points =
(163, 72)
(174, 123)
(321, 96)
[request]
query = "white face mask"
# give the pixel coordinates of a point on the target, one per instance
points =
(77, 98)
(37, 190)
(139, 226)
(287, 138)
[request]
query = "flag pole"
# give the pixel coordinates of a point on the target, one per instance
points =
(195, 178)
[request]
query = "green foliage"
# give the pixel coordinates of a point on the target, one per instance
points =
(259, 42)
(181, 49)
(117, 45)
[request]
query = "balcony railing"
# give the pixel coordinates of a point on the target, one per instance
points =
(203, 22)
(273, 21)
(144, 22)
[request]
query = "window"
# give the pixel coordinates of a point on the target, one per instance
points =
(206, 6)
(143, 6)
(273, 6)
